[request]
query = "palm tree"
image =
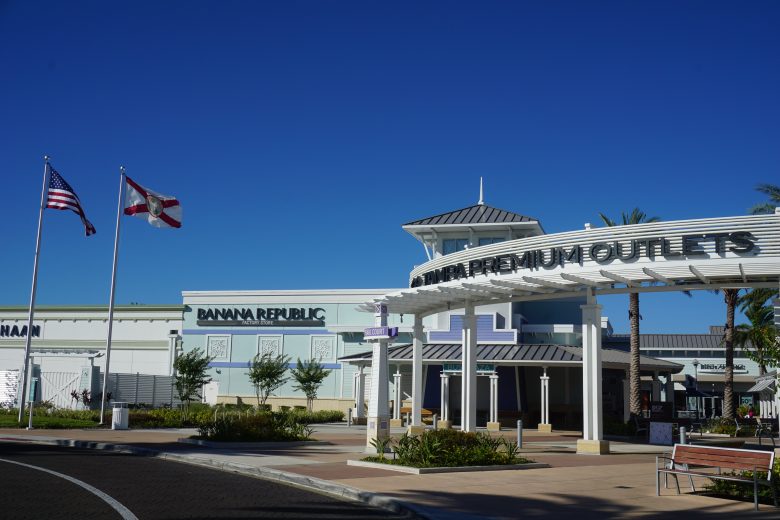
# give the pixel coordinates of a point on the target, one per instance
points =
(635, 383)
(759, 338)
(773, 192)
(731, 296)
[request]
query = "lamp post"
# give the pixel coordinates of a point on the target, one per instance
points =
(696, 383)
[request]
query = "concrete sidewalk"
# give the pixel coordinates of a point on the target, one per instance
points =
(620, 485)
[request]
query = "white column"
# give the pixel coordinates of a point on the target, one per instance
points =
(445, 397)
(776, 399)
(592, 431)
(545, 384)
(378, 421)
(494, 398)
(360, 392)
(518, 394)
(397, 395)
(172, 343)
(418, 339)
(469, 370)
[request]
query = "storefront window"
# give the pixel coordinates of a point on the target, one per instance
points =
(452, 245)
(487, 241)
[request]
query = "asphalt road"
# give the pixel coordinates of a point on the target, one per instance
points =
(148, 488)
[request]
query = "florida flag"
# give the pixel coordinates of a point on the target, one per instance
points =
(159, 210)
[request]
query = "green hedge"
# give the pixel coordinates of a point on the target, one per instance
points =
(274, 427)
(200, 415)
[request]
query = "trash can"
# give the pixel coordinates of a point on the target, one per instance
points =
(120, 416)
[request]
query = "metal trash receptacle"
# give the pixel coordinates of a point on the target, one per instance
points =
(120, 416)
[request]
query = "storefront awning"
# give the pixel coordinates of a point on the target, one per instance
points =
(761, 385)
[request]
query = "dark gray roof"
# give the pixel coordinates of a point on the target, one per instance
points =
(477, 214)
(433, 352)
(669, 341)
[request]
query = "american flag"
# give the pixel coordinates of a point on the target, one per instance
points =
(62, 196)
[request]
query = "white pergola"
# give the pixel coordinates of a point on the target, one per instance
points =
(683, 255)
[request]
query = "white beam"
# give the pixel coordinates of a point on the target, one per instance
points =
(656, 276)
(464, 292)
(618, 278)
(520, 286)
(742, 272)
(495, 289)
(699, 274)
(547, 283)
(580, 280)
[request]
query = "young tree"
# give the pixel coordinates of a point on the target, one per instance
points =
(309, 376)
(759, 338)
(266, 373)
(191, 374)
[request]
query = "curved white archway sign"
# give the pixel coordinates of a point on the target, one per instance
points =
(679, 255)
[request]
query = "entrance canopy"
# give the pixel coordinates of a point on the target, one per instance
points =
(660, 256)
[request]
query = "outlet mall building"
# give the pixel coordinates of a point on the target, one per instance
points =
(518, 308)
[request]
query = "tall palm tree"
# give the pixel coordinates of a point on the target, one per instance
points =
(731, 297)
(634, 381)
(773, 192)
(759, 338)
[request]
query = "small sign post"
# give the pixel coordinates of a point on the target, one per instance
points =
(31, 400)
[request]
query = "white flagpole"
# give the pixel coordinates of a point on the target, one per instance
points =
(28, 341)
(119, 207)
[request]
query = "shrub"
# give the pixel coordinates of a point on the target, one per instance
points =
(740, 490)
(452, 448)
(302, 416)
(252, 428)
(724, 426)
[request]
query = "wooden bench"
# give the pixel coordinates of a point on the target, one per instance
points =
(702, 461)
(424, 413)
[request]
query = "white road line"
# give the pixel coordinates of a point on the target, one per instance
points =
(118, 507)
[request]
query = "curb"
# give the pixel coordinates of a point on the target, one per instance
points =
(311, 483)
(257, 445)
(444, 469)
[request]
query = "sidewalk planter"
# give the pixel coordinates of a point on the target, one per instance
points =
(454, 469)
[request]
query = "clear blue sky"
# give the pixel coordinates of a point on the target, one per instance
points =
(299, 136)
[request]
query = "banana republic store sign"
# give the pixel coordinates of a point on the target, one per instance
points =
(262, 317)
(599, 252)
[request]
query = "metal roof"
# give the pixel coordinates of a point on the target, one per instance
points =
(761, 385)
(671, 341)
(433, 352)
(477, 214)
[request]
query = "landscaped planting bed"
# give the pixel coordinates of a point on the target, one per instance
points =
(448, 449)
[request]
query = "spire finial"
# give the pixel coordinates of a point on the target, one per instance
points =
(481, 197)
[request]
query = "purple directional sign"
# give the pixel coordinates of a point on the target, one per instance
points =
(380, 332)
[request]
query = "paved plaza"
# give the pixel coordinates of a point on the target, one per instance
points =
(619, 485)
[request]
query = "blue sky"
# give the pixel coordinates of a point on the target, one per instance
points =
(299, 136)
